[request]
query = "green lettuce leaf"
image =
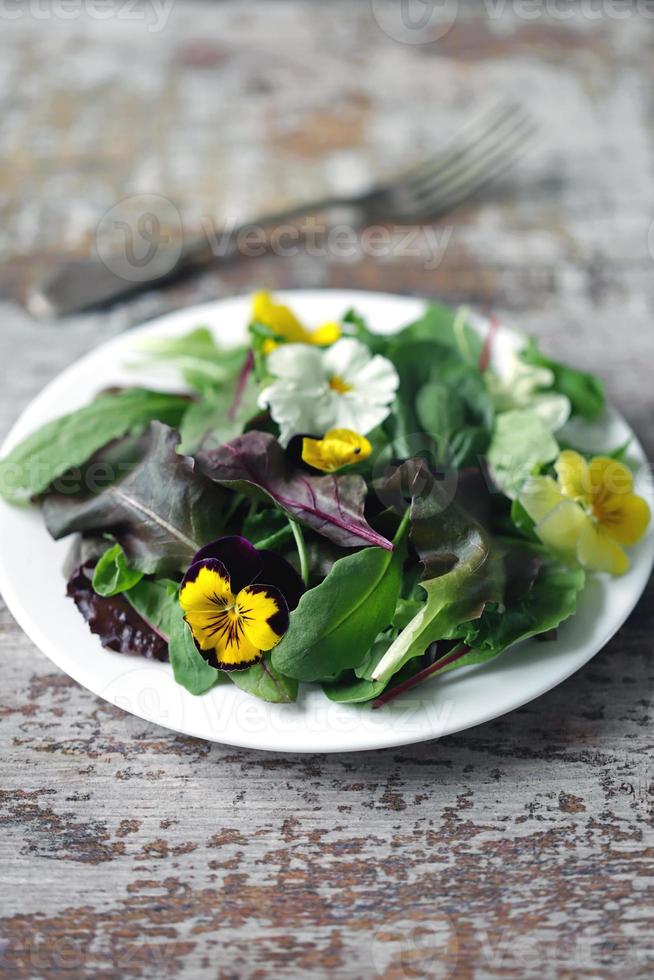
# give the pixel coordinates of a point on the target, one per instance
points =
(463, 566)
(550, 601)
(204, 365)
(520, 444)
(67, 442)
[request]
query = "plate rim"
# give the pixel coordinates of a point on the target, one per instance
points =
(644, 560)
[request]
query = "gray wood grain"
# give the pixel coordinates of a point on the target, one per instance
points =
(522, 848)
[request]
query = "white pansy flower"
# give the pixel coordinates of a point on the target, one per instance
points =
(512, 383)
(315, 390)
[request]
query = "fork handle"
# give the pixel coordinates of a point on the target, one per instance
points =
(98, 281)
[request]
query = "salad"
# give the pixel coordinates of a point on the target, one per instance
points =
(332, 505)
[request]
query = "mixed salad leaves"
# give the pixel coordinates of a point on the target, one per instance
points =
(332, 505)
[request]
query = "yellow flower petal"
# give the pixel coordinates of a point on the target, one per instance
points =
(203, 592)
(328, 333)
(539, 496)
(599, 552)
(339, 447)
(572, 471)
(258, 609)
(624, 517)
(560, 529)
(608, 477)
(280, 319)
(234, 649)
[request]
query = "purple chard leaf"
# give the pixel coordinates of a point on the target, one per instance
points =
(255, 464)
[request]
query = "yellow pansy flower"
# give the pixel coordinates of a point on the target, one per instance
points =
(589, 513)
(236, 600)
(283, 322)
(338, 448)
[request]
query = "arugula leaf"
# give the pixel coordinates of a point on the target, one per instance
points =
(463, 567)
(337, 621)
(112, 574)
(67, 442)
(161, 513)
(189, 668)
(585, 391)
(263, 681)
(520, 443)
(204, 365)
(255, 465)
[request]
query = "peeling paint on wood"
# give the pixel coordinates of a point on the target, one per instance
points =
(522, 848)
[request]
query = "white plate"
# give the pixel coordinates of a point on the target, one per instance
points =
(34, 589)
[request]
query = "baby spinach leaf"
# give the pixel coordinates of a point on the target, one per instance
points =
(255, 465)
(355, 687)
(352, 689)
(189, 668)
(263, 681)
(112, 574)
(447, 327)
(585, 391)
(336, 623)
(161, 513)
(520, 443)
(32, 466)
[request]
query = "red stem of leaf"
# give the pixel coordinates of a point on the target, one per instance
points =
(451, 658)
(241, 382)
(484, 359)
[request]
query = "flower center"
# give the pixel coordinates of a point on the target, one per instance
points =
(338, 385)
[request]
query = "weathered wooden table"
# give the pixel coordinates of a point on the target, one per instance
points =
(521, 848)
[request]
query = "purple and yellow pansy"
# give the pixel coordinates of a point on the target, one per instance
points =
(236, 600)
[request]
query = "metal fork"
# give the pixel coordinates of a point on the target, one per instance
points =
(423, 191)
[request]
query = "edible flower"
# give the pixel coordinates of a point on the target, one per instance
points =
(283, 322)
(338, 448)
(236, 600)
(315, 390)
(589, 513)
(512, 383)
